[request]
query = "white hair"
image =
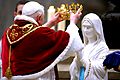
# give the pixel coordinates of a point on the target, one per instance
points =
(32, 7)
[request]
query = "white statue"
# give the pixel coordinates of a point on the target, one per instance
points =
(94, 51)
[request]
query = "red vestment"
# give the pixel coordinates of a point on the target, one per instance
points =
(33, 52)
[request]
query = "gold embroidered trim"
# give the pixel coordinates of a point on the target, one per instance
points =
(27, 29)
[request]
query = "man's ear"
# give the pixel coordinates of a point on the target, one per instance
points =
(15, 14)
(39, 19)
(39, 16)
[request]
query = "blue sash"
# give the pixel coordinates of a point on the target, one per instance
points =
(82, 71)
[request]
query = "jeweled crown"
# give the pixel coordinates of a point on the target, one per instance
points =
(65, 9)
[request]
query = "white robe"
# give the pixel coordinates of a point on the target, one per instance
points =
(93, 54)
(96, 54)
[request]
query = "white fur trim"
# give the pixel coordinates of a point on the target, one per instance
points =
(3, 78)
(27, 18)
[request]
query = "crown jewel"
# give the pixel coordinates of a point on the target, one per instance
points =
(65, 9)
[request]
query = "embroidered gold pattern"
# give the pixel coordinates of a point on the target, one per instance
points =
(16, 33)
(13, 34)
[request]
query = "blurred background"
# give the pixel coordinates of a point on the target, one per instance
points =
(108, 10)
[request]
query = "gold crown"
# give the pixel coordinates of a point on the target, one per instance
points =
(65, 9)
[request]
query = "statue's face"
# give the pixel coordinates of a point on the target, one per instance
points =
(88, 29)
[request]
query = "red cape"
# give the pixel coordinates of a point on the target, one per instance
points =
(34, 52)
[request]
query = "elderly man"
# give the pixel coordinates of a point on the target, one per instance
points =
(31, 50)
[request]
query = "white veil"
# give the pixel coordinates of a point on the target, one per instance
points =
(97, 24)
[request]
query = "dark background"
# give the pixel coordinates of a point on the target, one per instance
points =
(108, 10)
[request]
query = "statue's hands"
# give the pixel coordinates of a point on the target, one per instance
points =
(112, 61)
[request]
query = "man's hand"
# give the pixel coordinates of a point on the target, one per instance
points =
(74, 18)
(54, 20)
